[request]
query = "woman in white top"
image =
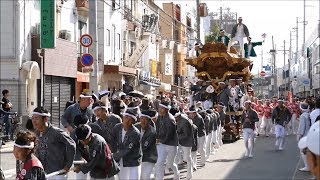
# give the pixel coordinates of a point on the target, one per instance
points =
(304, 126)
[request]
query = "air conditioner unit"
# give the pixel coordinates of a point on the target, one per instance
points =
(65, 34)
(137, 32)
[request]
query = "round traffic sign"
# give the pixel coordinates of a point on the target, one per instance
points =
(262, 73)
(306, 81)
(86, 40)
(86, 60)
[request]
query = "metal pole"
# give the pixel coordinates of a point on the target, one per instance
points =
(274, 69)
(289, 62)
(297, 41)
(198, 19)
(304, 26)
(221, 26)
(284, 63)
(93, 50)
(42, 81)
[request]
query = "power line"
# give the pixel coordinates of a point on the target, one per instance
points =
(170, 17)
(166, 22)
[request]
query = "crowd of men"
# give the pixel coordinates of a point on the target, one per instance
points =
(136, 138)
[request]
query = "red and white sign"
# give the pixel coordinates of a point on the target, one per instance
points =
(262, 73)
(86, 40)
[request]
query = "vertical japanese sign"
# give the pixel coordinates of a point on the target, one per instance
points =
(168, 64)
(47, 23)
(154, 68)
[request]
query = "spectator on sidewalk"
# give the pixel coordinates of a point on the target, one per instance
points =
(310, 145)
(304, 125)
(6, 106)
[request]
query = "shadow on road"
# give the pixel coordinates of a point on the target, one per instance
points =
(268, 163)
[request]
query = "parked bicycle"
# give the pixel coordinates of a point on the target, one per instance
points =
(15, 125)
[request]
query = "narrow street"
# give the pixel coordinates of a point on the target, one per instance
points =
(227, 163)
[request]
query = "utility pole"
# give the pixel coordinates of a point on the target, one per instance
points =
(304, 26)
(289, 62)
(93, 50)
(221, 24)
(198, 19)
(274, 75)
(284, 63)
(297, 40)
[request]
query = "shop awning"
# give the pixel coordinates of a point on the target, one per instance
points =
(165, 87)
(149, 83)
(114, 69)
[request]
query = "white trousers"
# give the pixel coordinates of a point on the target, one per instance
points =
(280, 132)
(208, 145)
(248, 137)
(294, 124)
(257, 125)
(59, 177)
(266, 125)
(219, 131)
(194, 159)
(81, 176)
(166, 153)
(304, 159)
(179, 157)
(215, 138)
(112, 178)
(187, 157)
(202, 149)
(128, 173)
(240, 40)
(146, 170)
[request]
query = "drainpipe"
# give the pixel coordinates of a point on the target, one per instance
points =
(39, 51)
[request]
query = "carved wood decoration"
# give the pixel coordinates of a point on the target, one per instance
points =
(215, 64)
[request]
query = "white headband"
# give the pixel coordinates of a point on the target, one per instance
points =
(304, 109)
(130, 115)
(133, 107)
(30, 146)
(85, 96)
(41, 114)
(177, 114)
(99, 107)
(164, 106)
(143, 115)
(89, 133)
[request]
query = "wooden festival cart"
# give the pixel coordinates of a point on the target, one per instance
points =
(215, 64)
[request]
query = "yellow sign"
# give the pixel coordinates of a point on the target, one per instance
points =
(86, 90)
(153, 68)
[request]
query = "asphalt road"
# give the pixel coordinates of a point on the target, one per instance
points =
(227, 163)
